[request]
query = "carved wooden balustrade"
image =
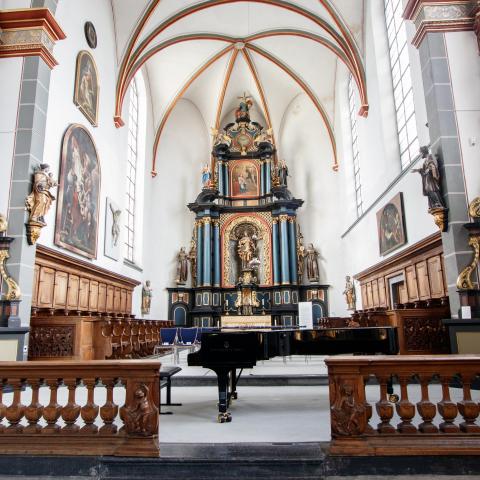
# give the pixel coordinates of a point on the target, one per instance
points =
(80, 408)
(436, 414)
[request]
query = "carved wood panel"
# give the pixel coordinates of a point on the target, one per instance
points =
(382, 296)
(435, 274)
(411, 280)
(83, 293)
(72, 294)
(93, 296)
(61, 289)
(110, 292)
(376, 301)
(36, 275)
(46, 284)
(102, 297)
(422, 280)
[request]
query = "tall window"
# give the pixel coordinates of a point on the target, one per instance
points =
(353, 110)
(132, 158)
(402, 82)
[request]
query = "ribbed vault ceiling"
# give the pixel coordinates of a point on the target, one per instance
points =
(212, 51)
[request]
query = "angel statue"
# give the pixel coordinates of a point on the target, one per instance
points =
(349, 293)
(115, 224)
(146, 298)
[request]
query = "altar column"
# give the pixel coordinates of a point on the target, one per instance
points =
(207, 252)
(292, 241)
(262, 177)
(284, 249)
(226, 179)
(268, 176)
(275, 252)
(220, 177)
(216, 253)
(199, 227)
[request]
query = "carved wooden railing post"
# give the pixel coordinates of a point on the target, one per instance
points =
(384, 408)
(109, 410)
(426, 408)
(34, 411)
(468, 408)
(448, 410)
(14, 412)
(405, 408)
(71, 411)
(52, 412)
(89, 411)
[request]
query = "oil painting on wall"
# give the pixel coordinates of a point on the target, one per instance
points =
(390, 223)
(76, 227)
(245, 179)
(86, 91)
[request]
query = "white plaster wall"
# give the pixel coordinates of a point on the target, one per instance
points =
(306, 148)
(183, 149)
(11, 74)
(462, 51)
(111, 142)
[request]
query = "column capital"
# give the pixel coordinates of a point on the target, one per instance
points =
(29, 32)
(283, 218)
(441, 16)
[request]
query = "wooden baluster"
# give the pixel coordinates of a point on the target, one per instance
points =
(468, 409)
(368, 408)
(3, 407)
(384, 408)
(71, 410)
(109, 410)
(89, 411)
(448, 410)
(51, 413)
(34, 411)
(405, 409)
(426, 408)
(14, 413)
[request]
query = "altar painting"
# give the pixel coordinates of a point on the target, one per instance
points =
(76, 226)
(245, 179)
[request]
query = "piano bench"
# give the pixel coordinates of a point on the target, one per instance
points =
(166, 373)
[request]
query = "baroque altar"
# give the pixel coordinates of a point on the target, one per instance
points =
(247, 257)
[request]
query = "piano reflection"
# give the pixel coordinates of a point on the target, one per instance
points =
(225, 350)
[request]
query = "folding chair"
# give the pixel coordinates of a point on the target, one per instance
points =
(168, 341)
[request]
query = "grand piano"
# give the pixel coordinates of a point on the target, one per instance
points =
(225, 351)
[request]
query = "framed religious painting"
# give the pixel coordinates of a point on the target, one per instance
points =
(391, 225)
(244, 178)
(86, 92)
(76, 226)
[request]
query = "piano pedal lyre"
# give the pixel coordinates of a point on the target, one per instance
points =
(224, 417)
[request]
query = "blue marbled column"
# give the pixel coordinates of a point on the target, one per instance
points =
(268, 176)
(275, 252)
(207, 251)
(220, 178)
(292, 242)
(284, 253)
(216, 253)
(199, 253)
(262, 178)
(226, 179)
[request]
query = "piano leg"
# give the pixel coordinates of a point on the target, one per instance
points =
(223, 394)
(233, 383)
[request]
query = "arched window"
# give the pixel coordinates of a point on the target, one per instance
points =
(402, 82)
(132, 162)
(353, 109)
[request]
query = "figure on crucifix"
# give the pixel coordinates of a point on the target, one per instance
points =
(242, 112)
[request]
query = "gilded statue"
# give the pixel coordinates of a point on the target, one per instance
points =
(301, 254)
(13, 290)
(220, 138)
(263, 137)
(312, 264)
(146, 298)
(246, 249)
(3, 223)
(182, 267)
(349, 293)
(242, 112)
(192, 257)
(39, 201)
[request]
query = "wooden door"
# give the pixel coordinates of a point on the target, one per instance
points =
(61, 289)
(102, 297)
(72, 293)
(435, 274)
(45, 287)
(83, 294)
(422, 280)
(411, 281)
(93, 296)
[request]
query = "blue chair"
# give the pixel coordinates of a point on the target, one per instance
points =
(168, 340)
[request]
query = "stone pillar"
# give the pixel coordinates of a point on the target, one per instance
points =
(432, 21)
(207, 252)
(284, 253)
(292, 243)
(275, 252)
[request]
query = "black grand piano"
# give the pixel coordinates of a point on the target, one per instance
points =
(225, 351)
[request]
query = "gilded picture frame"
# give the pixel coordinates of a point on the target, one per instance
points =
(78, 204)
(87, 89)
(391, 225)
(244, 179)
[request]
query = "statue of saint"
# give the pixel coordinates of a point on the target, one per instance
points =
(301, 254)
(349, 293)
(182, 267)
(312, 264)
(146, 298)
(242, 112)
(40, 199)
(246, 249)
(206, 175)
(192, 257)
(283, 173)
(430, 179)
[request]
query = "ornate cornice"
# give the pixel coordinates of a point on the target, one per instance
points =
(441, 16)
(29, 32)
